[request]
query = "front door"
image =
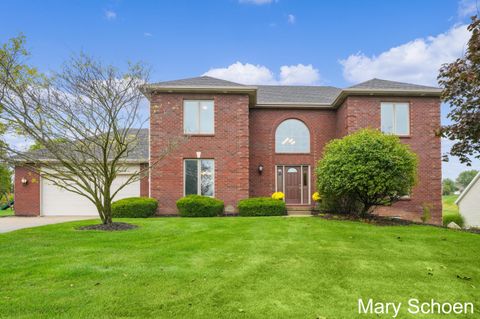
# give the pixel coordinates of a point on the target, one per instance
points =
(294, 181)
(293, 185)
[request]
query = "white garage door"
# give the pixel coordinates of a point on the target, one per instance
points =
(59, 202)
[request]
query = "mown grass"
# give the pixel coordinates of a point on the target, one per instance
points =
(450, 210)
(273, 267)
(6, 212)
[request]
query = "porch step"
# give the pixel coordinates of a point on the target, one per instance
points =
(299, 210)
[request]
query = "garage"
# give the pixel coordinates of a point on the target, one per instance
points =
(56, 201)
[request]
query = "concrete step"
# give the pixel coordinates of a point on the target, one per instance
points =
(299, 207)
(297, 211)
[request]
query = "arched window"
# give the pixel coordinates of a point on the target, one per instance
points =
(292, 136)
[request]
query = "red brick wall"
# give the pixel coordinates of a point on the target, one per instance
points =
(144, 182)
(228, 147)
(27, 197)
(263, 124)
(360, 112)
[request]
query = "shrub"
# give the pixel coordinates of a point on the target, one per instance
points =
(426, 212)
(374, 168)
(134, 207)
(199, 206)
(339, 205)
(457, 218)
(261, 206)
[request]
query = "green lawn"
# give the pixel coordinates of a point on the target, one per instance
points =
(6, 212)
(450, 210)
(272, 267)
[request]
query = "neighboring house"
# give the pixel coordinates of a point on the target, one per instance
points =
(244, 141)
(469, 203)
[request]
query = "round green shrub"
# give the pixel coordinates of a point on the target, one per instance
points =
(457, 218)
(199, 206)
(261, 206)
(134, 207)
(367, 166)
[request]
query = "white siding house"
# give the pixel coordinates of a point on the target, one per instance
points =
(469, 203)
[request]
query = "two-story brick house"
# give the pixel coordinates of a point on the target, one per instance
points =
(246, 141)
(236, 141)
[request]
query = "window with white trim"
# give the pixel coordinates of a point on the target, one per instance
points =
(198, 117)
(395, 118)
(292, 136)
(199, 177)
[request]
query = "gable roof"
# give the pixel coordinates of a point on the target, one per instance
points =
(291, 95)
(201, 81)
(379, 84)
(288, 94)
(467, 189)
(139, 153)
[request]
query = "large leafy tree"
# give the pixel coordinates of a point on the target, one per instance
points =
(448, 186)
(85, 119)
(369, 166)
(460, 81)
(465, 177)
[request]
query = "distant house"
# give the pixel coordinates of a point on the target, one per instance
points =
(469, 203)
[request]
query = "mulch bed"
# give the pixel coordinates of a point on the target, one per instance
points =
(117, 226)
(385, 221)
(372, 219)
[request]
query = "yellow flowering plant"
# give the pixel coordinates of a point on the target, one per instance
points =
(316, 197)
(278, 195)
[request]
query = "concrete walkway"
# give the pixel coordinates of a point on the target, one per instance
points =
(11, 223)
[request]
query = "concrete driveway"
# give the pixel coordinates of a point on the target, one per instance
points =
(11, 223)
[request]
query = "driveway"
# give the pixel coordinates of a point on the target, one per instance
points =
(11, 223)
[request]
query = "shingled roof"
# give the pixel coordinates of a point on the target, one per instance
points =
(292, 95)
(379, 84)
(140, 152)
(201, 81)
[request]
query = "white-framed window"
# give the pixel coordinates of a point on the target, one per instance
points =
(395, 118)
(292, 136)
(198, 117)
(199, 177)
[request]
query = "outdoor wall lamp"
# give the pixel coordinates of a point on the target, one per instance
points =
(260, 169)
(24, 181)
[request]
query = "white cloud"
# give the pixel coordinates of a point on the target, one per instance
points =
(110, 15)
(291, 19)
(258, 74)
(417, 61)
(257, 2)
(299, 74)
(147, 34)
(467, 8)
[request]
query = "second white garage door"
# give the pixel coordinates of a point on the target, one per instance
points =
(56, 201)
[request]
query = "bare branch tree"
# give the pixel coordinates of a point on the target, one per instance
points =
(92, 108)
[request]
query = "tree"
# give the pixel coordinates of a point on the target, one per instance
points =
(37, 146)
(91, 108)
(448, 186)
(465, 178)
(460, 81)
(368, 166)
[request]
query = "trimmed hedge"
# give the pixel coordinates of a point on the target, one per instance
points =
(261, 206)
(457, 218)
(199, 206)
(134, 207)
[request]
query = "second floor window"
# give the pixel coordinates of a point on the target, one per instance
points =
(198, 117)
(395, 118)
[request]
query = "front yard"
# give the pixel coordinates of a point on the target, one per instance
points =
(272, 267)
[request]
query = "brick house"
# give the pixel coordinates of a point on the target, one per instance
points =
(238, 141)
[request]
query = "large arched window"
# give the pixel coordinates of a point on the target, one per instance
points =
(292, 136)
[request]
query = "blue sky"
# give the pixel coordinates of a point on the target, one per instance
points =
(335, 43)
